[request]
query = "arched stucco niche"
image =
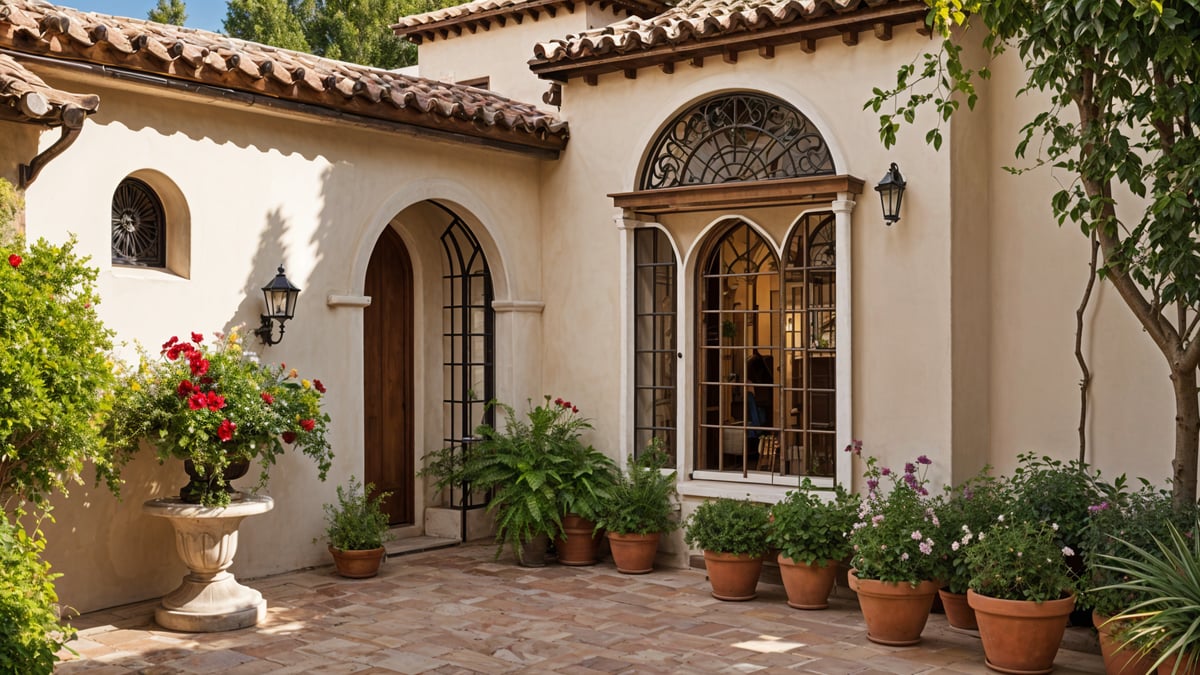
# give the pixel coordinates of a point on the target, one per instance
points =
(178, 216)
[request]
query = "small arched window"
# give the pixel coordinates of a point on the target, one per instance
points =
(139, 226)
(735, 137)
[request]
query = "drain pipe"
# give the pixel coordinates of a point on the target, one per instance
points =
(73, 118)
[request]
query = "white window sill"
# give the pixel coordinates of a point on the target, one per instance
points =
(152, 273)
(712, 485)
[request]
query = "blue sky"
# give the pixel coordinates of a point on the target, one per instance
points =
(206, 14)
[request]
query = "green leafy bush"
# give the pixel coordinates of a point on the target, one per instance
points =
(963, 513)
(724, 525)
(1020, 560)
(641, 502)
(1048, 490)
(54, 366)
(30, 632)
(357, 522)
(812, 530)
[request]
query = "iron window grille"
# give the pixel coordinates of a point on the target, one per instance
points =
(139, 226)
(655, 341)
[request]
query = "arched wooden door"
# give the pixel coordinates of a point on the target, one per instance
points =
(388, 376)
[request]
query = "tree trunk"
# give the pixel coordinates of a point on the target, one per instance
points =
(1187, 435)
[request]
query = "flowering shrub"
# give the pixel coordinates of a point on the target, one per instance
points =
(965, 512)
(1018, 559)
(209, 403)
(893, 538)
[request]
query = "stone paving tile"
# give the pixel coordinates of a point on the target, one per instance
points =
(458, 611)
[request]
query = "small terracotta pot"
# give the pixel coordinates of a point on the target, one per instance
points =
(1020, 636)
(807, 586)
(578, 545)
(958, 613)
(733, 577)
(634, 553)
(895, 612)
(357, 564)
(1118, 660)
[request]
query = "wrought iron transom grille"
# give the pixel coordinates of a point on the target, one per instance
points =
(736, 137)
(468, 343)
(139, 226)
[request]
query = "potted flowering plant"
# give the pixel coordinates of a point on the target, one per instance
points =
(217, 408)
(1022, 592)
(894, 561)
(964, 512)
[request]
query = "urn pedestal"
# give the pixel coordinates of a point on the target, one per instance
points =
(209, 599)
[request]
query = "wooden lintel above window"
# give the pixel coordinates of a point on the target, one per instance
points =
(788, 191)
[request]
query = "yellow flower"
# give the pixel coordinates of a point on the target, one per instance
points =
(305, 383)
(135, 386)
(293, 373)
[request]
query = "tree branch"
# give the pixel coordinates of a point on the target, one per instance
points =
(1086, 381)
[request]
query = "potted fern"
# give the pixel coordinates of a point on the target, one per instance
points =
(640, 510)
(733, 535)
(356, 528)
(812, 535)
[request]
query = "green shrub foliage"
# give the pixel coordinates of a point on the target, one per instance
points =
(812, 530)
(728, 525)
(357, 522)
(642, 500)
(30, 632)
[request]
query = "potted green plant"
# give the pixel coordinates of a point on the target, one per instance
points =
(812, 531)
(1022, 591)
(586, 489)
(210, 404)
(963, 512)
(356, 528)
(640, 509)
(733, 535)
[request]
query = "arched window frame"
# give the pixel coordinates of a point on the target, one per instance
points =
(139, 226)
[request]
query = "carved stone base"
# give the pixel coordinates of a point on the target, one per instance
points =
(209, 599)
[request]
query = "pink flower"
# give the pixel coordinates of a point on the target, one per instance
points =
(926, 547)
(917, 536)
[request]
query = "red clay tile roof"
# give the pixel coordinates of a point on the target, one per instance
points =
(441, 22)
(36, 27)
(693, 23)
(26, 98)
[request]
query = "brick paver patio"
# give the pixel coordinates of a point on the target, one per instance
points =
(458, 611)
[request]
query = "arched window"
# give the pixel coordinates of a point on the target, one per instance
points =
(766, 352)
(733, 137)
(139, 226)
(468, 330)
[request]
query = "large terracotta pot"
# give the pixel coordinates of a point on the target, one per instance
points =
(357, 564)
(634, 553)
(532, 553)
(578, 545)
(733, 577)
(1020, 636)
(807, 586)
(958, 613)
(1119, 660)
(895, 612)
(1167, 667)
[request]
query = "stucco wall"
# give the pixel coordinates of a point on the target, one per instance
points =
(261, 190)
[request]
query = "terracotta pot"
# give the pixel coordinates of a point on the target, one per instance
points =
(532, 553)
(357, 564)
(1020, 636)
(807, 586)
(577, 546)
(733, 577)
(634, 553)
(958, 613)
(1167, 667)
(895, 612)
(1118, 660)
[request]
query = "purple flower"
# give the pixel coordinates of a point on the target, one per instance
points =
(1096, 508)
(872, 484)
(924, 460)
(885, 471)
(909, 467)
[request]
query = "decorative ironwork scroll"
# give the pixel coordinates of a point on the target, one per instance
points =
(736, 137)
(139, 226)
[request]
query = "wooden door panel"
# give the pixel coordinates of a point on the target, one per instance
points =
(388, 376)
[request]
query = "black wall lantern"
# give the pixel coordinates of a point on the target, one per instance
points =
(891, 193)
(281, 296)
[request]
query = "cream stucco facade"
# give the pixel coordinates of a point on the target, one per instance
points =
(956, 323)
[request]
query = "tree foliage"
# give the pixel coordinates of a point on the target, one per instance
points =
(1121, 86)
(348, 30)
(30, 633)
(169, 11)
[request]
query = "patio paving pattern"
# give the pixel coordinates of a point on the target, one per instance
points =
(457, 610)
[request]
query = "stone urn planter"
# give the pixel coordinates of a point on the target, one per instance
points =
(807, 586)
(895, 612)
(634, 553)
(209, 599)
(1020, 636)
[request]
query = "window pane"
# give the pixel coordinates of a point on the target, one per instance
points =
(654, 359)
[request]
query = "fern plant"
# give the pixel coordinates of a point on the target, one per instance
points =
(641, 501)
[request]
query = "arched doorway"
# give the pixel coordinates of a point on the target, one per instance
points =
(388, 376)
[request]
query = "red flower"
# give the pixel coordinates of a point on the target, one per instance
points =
(185, 387)
(14, 260)
(307, 425)
(198, 363)
(198, 401)
(558, 401)
(215, 401)
(574, 409)
(167, 345)
(267, 397)
(320, 387)
(566, 404)
(173, 352)
(197, 337)
(289, 437)
(225, 431)
(206, 381)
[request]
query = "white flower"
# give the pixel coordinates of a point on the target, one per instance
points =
(954, 546)
(966, 529)
(1018, 554)
(1068, 552)
(1054, 526)
(1000, 517)
(904, 556)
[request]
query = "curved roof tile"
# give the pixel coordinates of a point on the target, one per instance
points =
(479, 9)
(29, 99)
(37, 27)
